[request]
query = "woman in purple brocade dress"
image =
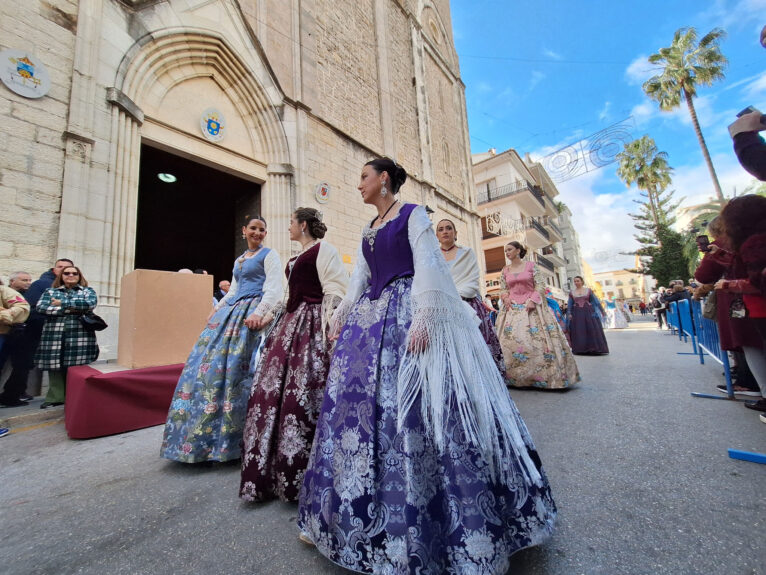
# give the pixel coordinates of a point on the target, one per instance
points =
(584, 313)
(289, 382)
(421, 462)
(465, 272)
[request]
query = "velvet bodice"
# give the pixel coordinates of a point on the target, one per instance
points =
(304, 281)
(390, 255)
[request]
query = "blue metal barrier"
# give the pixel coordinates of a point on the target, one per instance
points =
(686, 322)
(704, 334)
(671, 317)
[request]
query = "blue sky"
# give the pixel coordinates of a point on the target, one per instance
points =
(543, 74)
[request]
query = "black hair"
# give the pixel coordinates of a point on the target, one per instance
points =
(396, 174)
(519, 247)
(250, 218)
(313, 220)
(63, 260)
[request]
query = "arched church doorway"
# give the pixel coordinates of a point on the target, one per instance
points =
(190, 215)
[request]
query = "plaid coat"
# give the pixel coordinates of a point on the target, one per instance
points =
(64, 341)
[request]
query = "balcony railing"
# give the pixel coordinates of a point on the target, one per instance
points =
(517, 187)
(545, 262)
(534, 224)
(555, 228)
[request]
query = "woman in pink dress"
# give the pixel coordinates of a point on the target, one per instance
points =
(535, 349)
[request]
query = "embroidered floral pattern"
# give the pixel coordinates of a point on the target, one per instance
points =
(378, 497)
(282, 411)
(535, 348)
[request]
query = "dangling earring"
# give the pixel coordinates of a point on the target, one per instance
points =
(383, 190)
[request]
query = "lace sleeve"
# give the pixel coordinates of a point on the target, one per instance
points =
(360, 279)
(537, 295)
(334, 280)
(272, 287)
(448, 370)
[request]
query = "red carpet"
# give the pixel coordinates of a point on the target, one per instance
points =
(99, 404)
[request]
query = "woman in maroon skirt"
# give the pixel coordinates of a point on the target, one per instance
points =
(464, 269)
(289, 382)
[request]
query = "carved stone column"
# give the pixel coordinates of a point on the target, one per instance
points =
(277, 197)
(122, 200)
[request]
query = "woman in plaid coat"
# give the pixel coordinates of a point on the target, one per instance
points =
(65, 342)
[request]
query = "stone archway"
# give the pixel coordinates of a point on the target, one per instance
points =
(155, 65)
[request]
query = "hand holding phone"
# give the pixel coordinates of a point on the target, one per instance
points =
(749, 120)
(703, 243)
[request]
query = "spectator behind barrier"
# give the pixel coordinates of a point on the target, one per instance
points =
(744, 224)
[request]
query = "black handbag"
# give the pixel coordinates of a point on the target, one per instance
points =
(92, 322)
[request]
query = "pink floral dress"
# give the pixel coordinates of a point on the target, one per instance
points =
(535, 349)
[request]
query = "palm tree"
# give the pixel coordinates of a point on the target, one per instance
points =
(687, 64)
(642, 164)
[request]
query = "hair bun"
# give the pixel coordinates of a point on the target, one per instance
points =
(401, 176)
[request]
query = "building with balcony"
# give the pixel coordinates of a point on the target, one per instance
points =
(571, 247)
(516, 199)
(624, 284)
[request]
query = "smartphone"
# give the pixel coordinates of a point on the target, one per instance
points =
(703, 243)
(748, 110)
(753, 110)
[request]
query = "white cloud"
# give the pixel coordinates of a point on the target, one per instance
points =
(640, 70)
(693, 182)
(601, 220)
(551, 54)
(483, 87)
(757, 88)
(645, 111)
(604, 113)
(537, 77)
(726, 15)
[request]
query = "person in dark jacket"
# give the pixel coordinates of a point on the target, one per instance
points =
(26, 343)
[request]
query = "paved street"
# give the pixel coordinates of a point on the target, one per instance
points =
(638, 467)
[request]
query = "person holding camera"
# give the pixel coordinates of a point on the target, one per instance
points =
(744, 224)
(748, 144)
(715, 265)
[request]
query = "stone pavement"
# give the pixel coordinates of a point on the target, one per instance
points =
(639, 470)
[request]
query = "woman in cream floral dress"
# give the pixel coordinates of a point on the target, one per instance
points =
(535, 349)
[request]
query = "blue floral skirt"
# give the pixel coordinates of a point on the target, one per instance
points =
(378, 500)
(207, 414)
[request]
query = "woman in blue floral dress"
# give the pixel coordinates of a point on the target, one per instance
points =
(421, 462)
(207, 414)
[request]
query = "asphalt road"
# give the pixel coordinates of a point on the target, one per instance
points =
(639, 470)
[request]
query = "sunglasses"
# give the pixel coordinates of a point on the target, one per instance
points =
(70, 274)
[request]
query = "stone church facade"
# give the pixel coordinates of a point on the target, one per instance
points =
(309, 89)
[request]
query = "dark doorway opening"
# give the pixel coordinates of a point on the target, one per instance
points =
(192, 222)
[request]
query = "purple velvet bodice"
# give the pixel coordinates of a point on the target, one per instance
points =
(390, 257)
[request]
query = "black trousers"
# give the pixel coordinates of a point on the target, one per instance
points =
(20, 348)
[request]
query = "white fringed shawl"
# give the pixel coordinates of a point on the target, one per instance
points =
(465, 271)
(456, 372)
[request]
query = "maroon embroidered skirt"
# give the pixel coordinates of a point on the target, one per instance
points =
(284, 405)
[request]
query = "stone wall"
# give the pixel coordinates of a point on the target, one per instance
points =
(31, 135)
